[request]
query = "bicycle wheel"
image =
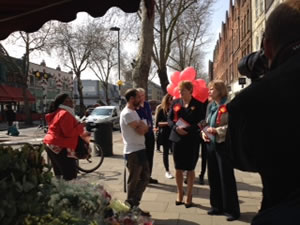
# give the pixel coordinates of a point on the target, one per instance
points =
(94, 162)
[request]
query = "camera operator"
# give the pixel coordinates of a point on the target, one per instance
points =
(263, 131)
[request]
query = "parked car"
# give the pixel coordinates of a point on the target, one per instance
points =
(104, 114)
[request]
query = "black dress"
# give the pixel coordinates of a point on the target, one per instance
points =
(186, 148)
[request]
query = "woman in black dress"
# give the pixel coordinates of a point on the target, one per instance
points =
(184, 116)
(163, 129)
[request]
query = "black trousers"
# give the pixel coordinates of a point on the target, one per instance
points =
(150, 143)
(223, 191)
(203, 159)
(63, 165)
(166, 150)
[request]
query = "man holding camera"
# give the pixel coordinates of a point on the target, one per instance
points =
(263, 133)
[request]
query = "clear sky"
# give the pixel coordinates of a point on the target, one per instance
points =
(219, 12)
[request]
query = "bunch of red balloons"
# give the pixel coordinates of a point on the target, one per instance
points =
(200, 91)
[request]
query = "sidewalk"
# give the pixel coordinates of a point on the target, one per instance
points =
(3, 125)
(160, 198)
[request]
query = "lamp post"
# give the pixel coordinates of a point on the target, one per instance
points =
(119, 83)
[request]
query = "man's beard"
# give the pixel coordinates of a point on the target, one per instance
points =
(136, 104)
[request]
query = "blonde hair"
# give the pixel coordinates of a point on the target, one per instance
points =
(141, 90)
(165, 102)
(186, 84)
(220, 86)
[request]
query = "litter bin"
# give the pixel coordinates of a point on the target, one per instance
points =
(103, 137)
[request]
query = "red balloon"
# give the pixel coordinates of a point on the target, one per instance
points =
(177, 92)
(201, 83)
(175, 77)
(200, 91)
(170, 89)
(188, 73)
(201, 94)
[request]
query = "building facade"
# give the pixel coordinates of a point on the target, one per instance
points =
(241, 34)
(43, 84)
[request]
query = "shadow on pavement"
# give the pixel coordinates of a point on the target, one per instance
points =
(101, 175)
(247, 217)
(248, 187)
(174, 222)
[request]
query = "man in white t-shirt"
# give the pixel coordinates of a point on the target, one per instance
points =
(133, 130)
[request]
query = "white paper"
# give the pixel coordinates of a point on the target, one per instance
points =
(182, 123)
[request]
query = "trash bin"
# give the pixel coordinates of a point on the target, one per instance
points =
(103, 137)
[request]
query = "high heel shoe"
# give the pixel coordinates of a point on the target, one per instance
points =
(189, 205)
(179, 203)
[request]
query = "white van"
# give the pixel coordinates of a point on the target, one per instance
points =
(102, 114)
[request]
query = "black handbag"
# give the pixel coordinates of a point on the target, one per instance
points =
(82, 149)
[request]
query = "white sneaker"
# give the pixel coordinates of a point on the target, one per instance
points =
(169, 175)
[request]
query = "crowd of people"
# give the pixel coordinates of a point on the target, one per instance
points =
(256, 131)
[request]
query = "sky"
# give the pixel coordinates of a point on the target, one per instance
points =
(218, 16)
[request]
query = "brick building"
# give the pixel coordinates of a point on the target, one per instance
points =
(240, 35)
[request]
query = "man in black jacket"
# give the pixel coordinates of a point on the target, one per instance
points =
(263, 132)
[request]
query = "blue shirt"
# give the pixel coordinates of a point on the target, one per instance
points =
(146, 113)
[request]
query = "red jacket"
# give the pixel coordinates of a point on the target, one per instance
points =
(63, 129)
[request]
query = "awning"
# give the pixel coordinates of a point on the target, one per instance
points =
(30, 15)
(9, 93)
(4, 97)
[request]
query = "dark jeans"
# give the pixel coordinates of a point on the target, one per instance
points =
(166, 150)
(63, 165)
(139, 175)
(222, 184)
(150, 142)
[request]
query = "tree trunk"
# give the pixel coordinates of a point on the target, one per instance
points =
(163, 78)
(79, 88)
(143, 62)
(27, 110)
(105, 85)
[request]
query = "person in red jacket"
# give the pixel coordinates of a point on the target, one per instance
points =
(62, 137)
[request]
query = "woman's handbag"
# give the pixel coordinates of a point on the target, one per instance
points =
(82, 149)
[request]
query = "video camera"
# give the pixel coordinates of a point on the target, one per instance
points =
(255, 64)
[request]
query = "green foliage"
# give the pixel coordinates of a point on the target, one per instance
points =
(23, 178)
(29, 195)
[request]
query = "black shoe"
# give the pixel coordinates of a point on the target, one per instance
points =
(201, 180)
(214, 212)
(179, 203)
(232, 217)
(153, 181)
(189, 205)
(185, 181)
(144, 213)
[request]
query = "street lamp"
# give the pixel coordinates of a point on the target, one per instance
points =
(119, 83)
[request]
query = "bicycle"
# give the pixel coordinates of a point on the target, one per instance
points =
(94, 161)
(88, 165)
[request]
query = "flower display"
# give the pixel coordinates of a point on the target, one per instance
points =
(78, 203)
